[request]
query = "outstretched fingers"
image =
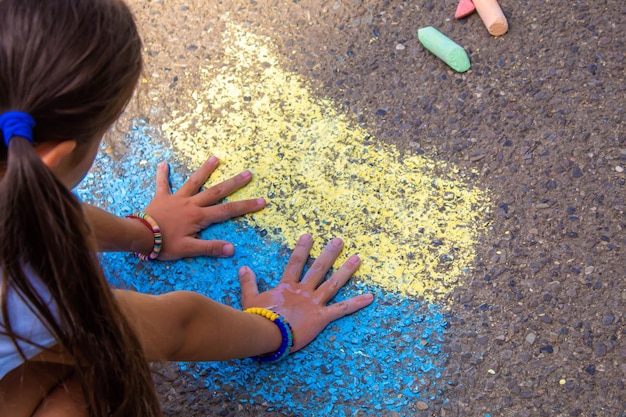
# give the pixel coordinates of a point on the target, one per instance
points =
(298, 259)
(322, 264)
(217, 192)
(329, 288)
(192, 246)
(343, 308)
(249, 287)
(226, 211)
(199, 177)
(163, 180)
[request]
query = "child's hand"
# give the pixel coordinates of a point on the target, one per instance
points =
(303, 302)
(182, 215)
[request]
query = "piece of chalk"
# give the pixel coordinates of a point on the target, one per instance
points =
(445, 48)
(492, 16)
(465, 8)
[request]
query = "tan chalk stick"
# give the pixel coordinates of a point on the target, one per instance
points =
(492, 16)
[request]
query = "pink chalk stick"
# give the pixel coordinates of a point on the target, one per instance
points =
(465, 8)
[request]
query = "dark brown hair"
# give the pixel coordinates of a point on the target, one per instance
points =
(73, 66)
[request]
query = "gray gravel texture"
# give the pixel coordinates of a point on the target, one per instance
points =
(537, 329)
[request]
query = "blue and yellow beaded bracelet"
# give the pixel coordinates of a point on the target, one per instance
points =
(285, 331)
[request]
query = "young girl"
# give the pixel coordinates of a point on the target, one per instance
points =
(70, 345)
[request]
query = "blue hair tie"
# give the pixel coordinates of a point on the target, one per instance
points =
(16, 123)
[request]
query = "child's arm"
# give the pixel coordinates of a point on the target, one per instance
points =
(118, 234)
(185, 326)
(181, 216)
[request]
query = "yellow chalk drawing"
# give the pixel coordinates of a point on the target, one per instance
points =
(323, 174)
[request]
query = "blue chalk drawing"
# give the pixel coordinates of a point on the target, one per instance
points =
(378, 359)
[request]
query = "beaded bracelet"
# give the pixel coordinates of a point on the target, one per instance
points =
(285, 331)
(156, 230)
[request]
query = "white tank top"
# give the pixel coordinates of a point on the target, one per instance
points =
(26, 324)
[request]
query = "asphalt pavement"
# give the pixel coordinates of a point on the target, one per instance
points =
(488, 206)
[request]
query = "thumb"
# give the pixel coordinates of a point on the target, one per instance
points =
(191, 247)
(163, 179)
(249, 288)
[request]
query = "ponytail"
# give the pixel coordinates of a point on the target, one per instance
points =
(72, 65)
(43, 227)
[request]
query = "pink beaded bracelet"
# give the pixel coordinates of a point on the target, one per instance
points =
(156, 230)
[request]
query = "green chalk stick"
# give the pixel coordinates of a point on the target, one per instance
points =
(445, 48)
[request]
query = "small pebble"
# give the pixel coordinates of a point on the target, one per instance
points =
(421, 405)
(506, 354)
(619, 168)
(399, 47)
(530, 338)
(608, 318)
